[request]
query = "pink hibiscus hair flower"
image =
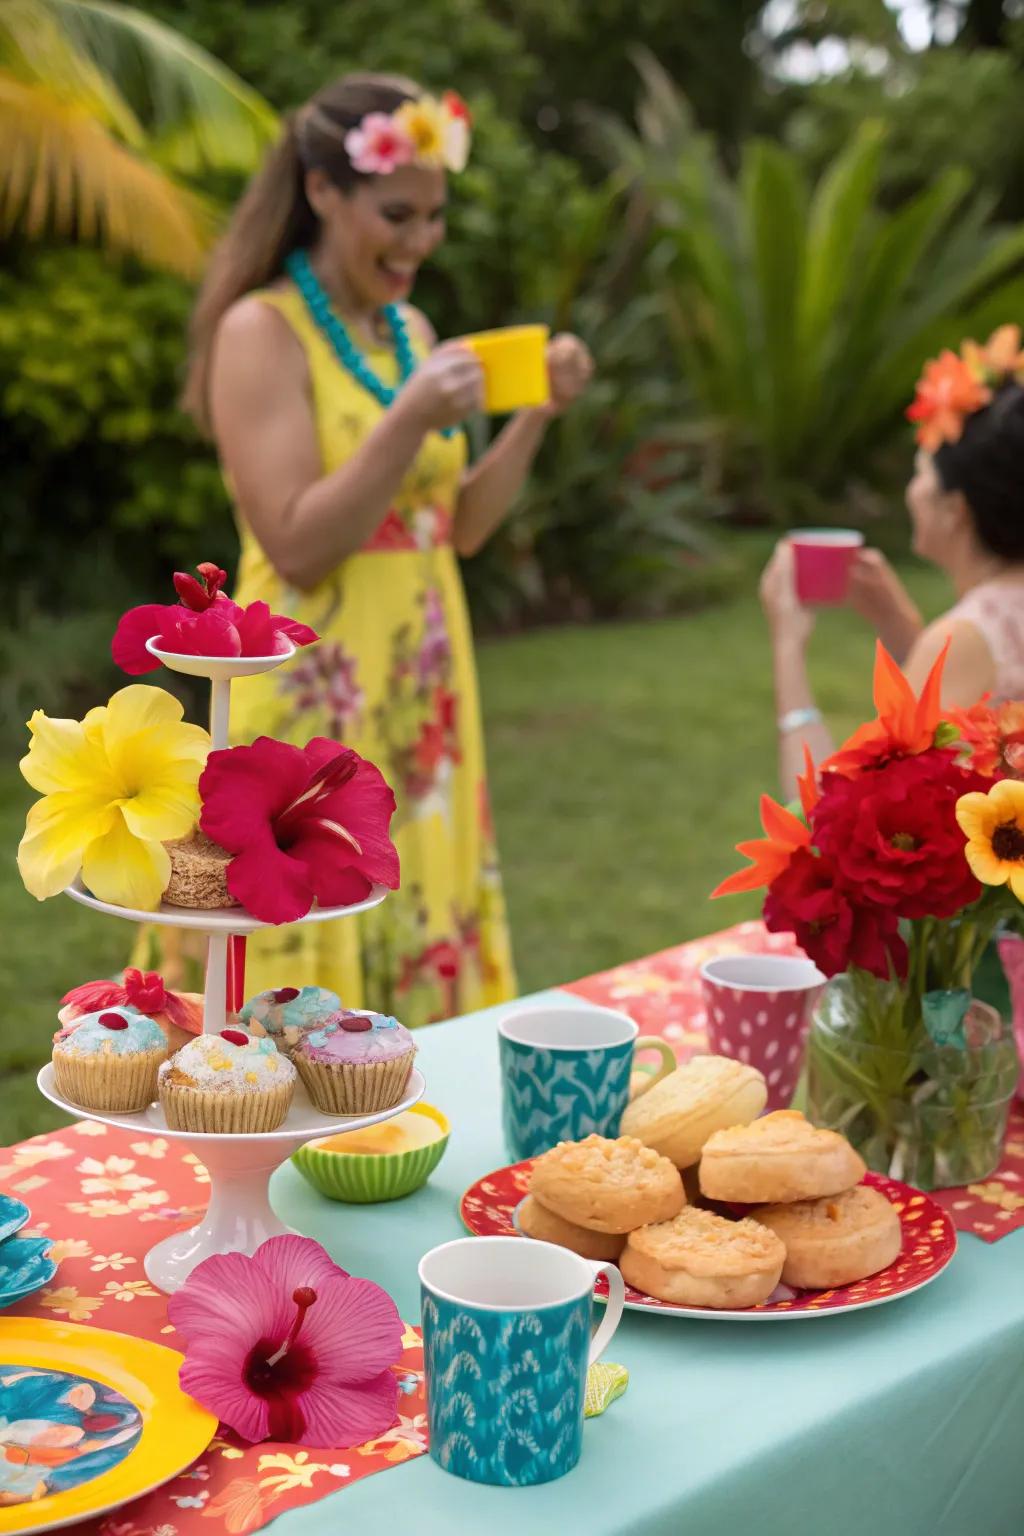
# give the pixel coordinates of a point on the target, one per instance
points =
(286, 1346)
(378, 145)
(304, 824)
(205, 622)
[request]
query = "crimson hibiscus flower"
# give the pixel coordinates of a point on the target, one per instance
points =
(893, 835)
(808, 901)
(205, 622)
(305, 824)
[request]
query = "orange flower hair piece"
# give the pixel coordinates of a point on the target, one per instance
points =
(953, 386)
(906, 724)
(769, 855)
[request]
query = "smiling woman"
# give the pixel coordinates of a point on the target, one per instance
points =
(339, 426)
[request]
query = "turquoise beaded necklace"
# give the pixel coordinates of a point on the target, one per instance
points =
(344, 348)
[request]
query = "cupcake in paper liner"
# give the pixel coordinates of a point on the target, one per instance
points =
(356, 1064)
(231, 1083)
(286, 1014)
(109, 1060)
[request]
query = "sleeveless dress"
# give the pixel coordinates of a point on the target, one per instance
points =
(996, 610)
(393, 676)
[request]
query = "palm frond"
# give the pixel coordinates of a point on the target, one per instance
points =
(199, 115)
(64, 174)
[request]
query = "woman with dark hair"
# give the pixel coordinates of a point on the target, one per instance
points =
(966, 504)
(337, 420)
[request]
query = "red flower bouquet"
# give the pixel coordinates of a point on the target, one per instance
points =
(204, 622)
(872, 879)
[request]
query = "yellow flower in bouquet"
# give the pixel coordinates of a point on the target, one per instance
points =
(994, 827)
(116, 786)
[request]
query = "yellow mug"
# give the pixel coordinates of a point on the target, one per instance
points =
(514, 361)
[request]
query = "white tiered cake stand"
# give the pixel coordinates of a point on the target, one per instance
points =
(239, 1216)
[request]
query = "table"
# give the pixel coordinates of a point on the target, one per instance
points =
(907, 1420)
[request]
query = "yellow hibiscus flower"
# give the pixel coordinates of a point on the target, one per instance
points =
(994, 827)
(425, 122)
(116, 786)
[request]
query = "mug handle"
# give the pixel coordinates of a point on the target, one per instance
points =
(665, 1051)
(612, 1312)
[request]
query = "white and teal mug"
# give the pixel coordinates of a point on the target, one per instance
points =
(506, 1348)
(565, 1073)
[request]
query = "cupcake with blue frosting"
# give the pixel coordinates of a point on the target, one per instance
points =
(286, 1014)
(356, 1063)
(109, 1060)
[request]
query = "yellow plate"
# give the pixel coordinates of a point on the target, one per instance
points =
(175, 1430)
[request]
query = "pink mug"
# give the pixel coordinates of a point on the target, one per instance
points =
(1011, 953)
(823, 557)
(758, 1011)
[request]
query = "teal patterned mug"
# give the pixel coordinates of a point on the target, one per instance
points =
(565, 1073)
(506, 1349)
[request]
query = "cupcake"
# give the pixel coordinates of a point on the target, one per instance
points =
(179, 1014)
(199, 873)
(288, 1013)
(228, 1082)
(356, 1063)
(109, 1060)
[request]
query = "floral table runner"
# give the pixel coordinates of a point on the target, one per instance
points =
(105, 1196)
(663, 994)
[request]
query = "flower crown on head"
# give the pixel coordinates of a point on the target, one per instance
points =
(428, 131)
(955, 385)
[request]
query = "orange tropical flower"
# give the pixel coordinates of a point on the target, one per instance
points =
(768, 855)
(906, 724)
(241, 1504)
(995, 737)
(946, 392)
(1000, 355)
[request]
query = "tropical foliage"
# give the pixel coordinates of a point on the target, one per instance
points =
(801, 313)
(104, 114)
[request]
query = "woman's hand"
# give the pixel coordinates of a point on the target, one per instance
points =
(570, 370)
(447, 387)
(787, 617)
(879, 596)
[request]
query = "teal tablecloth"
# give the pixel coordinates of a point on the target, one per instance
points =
(905, 1420)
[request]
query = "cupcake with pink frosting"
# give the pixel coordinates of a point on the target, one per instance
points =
(356, 1063)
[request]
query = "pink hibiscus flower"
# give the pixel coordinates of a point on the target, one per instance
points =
(377, 146)
(287, 1346)
(305, 824)
(204, 623)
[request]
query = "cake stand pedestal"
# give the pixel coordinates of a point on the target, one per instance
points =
(239, 1216)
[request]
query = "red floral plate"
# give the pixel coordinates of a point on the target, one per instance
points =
(488, 1209)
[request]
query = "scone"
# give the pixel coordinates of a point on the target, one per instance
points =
(607, 1186)
(705, 1095)
(701, 1260)
(778, 1158)
(837, 1240)
(537, 1221)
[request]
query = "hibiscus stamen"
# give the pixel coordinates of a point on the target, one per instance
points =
(336, 830)
(303, 1298)
(321, 784)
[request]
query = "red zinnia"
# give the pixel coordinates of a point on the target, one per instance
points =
(807, 900)
(894, 838)
(305, 824)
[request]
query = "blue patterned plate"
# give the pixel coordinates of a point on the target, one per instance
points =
(13, 1215)
(24, 1267)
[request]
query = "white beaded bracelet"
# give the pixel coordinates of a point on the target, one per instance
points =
(796, 719)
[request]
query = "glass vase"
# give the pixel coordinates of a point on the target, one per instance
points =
(932, 1115)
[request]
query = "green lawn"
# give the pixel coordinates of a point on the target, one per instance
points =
(625, 762)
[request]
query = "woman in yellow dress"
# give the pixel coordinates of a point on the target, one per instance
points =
(337, 420)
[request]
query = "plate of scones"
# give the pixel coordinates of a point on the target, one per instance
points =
(712, 1209)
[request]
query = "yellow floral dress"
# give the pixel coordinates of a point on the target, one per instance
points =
(394, 677)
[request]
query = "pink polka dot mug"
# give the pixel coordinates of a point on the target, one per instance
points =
(758, 1010)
